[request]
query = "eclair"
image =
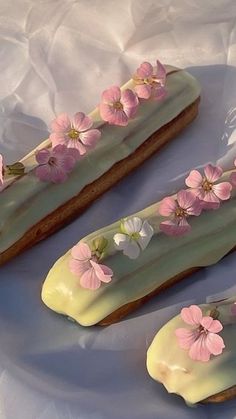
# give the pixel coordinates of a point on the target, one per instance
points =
(194, 354)
(87, 154)
(114, 270)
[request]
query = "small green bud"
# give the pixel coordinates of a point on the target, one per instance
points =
(15, 169)
(122, 227)
(99, 244)
(214, 313)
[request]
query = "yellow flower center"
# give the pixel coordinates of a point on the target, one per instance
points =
(135, 236)
(207, 186)
(73, 134)
(180, 212)
(118, 106)
(149, 80)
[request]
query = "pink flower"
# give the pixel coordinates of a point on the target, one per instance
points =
(233, 309)
(118, 107)
(1, 171)
(84, 265)
(150, 82)
(233, 176)
(76, 134)
(186, 204)
(205, 188)
(54, 164)
(201, 339)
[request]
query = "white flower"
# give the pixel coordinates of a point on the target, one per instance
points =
(135, 236)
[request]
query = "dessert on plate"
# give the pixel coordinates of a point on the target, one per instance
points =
(200, 361)
(114, 270)
(87, 154)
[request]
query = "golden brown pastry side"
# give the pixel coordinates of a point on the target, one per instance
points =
(126, 309)
(75, 206)
(223, 396)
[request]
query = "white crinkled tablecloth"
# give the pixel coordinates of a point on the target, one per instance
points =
(59, 55)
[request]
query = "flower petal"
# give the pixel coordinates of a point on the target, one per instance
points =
(160, 72)
(77, 147)
(211, 325)
(189, 202)
(59, 151)
(42, 156)
(106, 269)
(214, 343)
(120, 118)
(168, 206)
(159, 93)
(67, 163)
(143, 91)
(100, 272)
(90, 280)
(199, 350)
(1, 170)
(58, 138)
(194, 179)
(146, 234)
(73, 152)
(186, 337)
(192, 315)
(132, 225)
(213, 173)
(211, 201)
(186, 199)
(121, 241)
(113, 116)
(111, 95)
(130, 102)
(61, 123)
(107, 112)
(81, 251)
(90, 137)
(233, 309)
(82, 122)
(78, 267)
(43, 173)
(174, 227)
(222, 190)
(132, 249)
(57, 175)
(233, 179)
(145, 70)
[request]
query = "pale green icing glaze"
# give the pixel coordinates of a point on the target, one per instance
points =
(193, 380)
(27, 201)
(212, 236)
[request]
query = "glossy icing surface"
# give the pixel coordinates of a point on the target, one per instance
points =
(212, 236)
(193, 380)
(27, 200)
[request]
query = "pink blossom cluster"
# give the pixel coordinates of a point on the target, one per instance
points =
(203, 193)
(233, 176)
(201, 339)
(71, 139)
(117, 106)
(86, 266)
